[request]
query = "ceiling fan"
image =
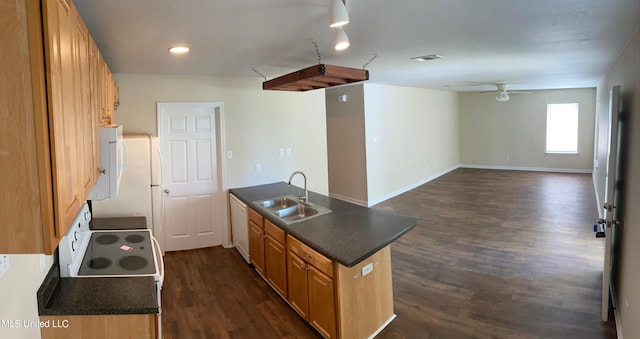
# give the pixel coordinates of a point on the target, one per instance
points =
(503, 92)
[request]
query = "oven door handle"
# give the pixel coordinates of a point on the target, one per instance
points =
(159, 260)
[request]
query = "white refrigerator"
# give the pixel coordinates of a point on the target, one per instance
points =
(140, 192)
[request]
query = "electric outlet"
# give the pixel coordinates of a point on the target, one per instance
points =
(288, 151)
(229, 154)
(367, 269)
(258, 168)
(4, 264)
(281, 152)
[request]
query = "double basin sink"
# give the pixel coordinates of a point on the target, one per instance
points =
(289, 210)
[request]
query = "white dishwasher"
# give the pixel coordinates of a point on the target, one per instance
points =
(240, 226)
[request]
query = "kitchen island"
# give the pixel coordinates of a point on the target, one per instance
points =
(333, 269)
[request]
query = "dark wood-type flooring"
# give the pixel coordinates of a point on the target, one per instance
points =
(495, 254)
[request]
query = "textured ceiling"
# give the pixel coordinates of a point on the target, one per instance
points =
(540, 44)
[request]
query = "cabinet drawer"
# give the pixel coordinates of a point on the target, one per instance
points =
(255, 217)
(274, 231)
(322, 263)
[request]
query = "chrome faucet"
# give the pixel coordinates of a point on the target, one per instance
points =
(304, 198)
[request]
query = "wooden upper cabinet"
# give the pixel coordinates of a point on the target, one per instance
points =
(109, 96)
(87, 130)
(95, 100)
(50, 154)
(59, 29)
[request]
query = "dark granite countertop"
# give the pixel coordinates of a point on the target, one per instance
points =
(96, 296)
(118, 223)
(348, 235)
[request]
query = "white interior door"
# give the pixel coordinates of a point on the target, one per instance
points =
(190, 174)
(613, 203)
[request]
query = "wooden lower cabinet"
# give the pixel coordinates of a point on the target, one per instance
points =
(256, 240)
(275, 257)
(298, 285)
(311, 291)
(338, 301)
(322, 307)
(139, 326)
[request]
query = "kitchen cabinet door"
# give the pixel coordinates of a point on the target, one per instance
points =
(322, 310)
(86, 129)
(276, 264)
(256, 246)
(58, 28)
(95, 100)
(109, 99)
(298, 284)
(275, 257)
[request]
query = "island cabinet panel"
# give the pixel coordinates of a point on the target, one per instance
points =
(365, 303)
(139, 326)
(275, 257)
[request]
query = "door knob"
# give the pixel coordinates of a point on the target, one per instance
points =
(167, 191)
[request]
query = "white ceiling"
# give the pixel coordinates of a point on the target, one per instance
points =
(530, 44)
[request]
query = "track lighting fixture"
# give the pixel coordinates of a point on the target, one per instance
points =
(342, 40)
(338, 13)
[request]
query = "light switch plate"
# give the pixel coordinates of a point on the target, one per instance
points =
(4, 264)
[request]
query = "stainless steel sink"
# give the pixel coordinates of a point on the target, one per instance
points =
(300, 211)
(278, 203)
(289, 210)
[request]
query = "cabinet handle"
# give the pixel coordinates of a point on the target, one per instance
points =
(103, 171)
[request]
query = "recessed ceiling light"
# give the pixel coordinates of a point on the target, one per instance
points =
(179, 50)
(428, 57)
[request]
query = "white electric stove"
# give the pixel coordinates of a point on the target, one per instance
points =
(85, 253)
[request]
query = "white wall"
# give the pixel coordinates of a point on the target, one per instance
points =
(411, 138)
(626, 73)
(386, 140)
(346, 148)
(18, 288)
(257, 123)
(512, 134)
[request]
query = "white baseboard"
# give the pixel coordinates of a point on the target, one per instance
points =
(410, 187)
(534, 169)
(348, 199)
(394, 193)
(599, 204)
(382, 327)
(443, 172)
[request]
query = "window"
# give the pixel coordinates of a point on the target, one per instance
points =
(562, 128)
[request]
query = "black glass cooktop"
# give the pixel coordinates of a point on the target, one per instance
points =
(114, 253)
